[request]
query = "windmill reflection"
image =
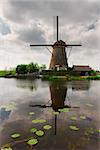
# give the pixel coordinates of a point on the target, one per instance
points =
(58, 96)
(58, 91)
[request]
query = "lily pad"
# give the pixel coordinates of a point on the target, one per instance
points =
(47, 127)
(89, 130)
(98, 130)
(6, 148)
(90, 105)
(73, 118)
(33, 130)
(39, 133)
(56, 113)
(74, 128)
(64, 110)
(82, 117)
(31, 113)
(32, 141)
(15, 135)
(1, 128)
(39, 121)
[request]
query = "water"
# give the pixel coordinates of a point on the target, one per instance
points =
(19, 97)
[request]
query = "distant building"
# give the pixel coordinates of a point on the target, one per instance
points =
(81, 70)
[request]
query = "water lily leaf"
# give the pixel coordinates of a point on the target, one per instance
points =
(31, 113)
(98, 130)
(56, 113)
(33, 130)
(39, 121)
(47, 127)
(73, 118)
(74, 128)
(64, 110)
(82, 117)
(6, 148)
(86, 133)
(1, 128)
(89, 130)
(32, 141)
(90, 105)
(15, 135)
(39, 133)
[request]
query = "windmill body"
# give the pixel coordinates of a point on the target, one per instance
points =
(58, 58)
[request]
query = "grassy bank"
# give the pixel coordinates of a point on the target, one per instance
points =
(4, 73)
(69, 78)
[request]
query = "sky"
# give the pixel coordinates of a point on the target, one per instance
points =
(25, 22)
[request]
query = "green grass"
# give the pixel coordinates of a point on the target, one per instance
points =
(3, 73)
(70, 78)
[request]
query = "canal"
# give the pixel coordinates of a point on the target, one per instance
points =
(71, 109)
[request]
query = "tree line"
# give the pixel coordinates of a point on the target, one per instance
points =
(29, 68)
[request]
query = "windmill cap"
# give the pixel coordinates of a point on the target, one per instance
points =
(59, 43)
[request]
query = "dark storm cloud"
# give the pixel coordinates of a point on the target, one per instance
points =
(91, 27)
(32, 35)
(72, 11)
(4, 28)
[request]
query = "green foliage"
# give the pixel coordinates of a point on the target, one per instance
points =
(15, 135)
(29, 68)
(56, 113)
(39, 133)
(89, 131)
(31, 113)
(93, 78)
(39, 121)
(74, 128)
(33, 130)
(98, 130)
(64, 110)
(73, 118)
(47, 127)
(69, 78)
(82, 117)
(32, 141)
(32, 67)
(7, 72)
(21, 69)
(42, 67)
(93, 72)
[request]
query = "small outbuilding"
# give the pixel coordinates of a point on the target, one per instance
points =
(81, 70)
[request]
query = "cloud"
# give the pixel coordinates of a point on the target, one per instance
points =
(71, 11)
(4, 28)
(32, 35)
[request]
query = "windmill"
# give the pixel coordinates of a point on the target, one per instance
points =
(59, 60)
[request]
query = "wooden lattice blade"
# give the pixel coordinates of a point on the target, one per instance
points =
(73, 45)
(41, 45)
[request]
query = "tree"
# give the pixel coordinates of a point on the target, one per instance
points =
(43, 67)
(21, 69)
(32, 67)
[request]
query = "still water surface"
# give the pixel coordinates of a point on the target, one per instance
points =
(19, 97)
